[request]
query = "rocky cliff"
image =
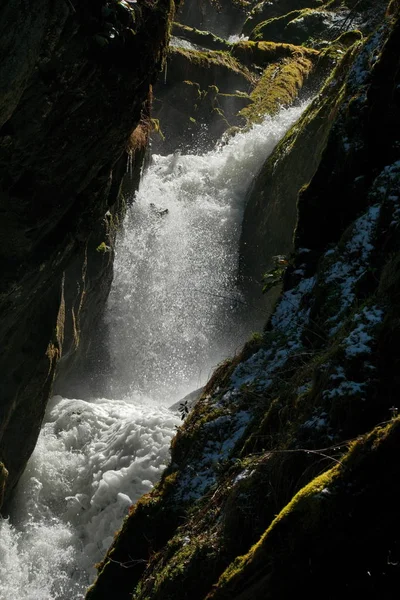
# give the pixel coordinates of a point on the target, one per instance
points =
(284, 478)
(74, 80)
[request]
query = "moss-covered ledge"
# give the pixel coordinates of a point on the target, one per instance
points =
(271, 210)
(341, 522)
(208, 68)
(270, 9)
(204, 39)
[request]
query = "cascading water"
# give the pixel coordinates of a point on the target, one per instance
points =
(173, 313)
(175, 309)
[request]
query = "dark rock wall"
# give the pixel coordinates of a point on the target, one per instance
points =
(222, 17)
(74, 81)
(271, 212)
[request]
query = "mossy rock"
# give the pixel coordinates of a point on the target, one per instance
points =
(195, 118)
(262, 54)
(271, 9)
(204, 39)
(208, 68)
(278, 87)
(300, 27)
(271, 209)
(329, 532)
(199, 99)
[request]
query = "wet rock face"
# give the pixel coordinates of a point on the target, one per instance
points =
(72, 92)
(198, 99)
(222, 17)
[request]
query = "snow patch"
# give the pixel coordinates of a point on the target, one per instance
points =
(353, 263)
(223, 433)
(360, 339)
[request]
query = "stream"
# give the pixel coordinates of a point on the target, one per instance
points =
(174, 312)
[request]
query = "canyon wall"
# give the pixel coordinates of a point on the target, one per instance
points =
(75, 80)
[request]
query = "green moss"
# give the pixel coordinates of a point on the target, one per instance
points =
(209, 60)
(347, 39)
(184, 559)
(306, 27)
(313, 527)
(264, 53)
(304, 502)
(279, 86)
(103, 248)
(273, 29)
(205, 39)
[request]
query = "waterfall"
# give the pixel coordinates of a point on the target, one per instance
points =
(173, 313)
(175, 310)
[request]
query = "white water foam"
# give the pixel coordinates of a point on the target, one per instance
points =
(175, 310)
(172, 313)
(92, 461)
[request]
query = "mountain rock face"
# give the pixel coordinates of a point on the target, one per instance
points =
(284, 478)
(73, 104)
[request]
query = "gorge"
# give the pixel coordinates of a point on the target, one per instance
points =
(283, 475)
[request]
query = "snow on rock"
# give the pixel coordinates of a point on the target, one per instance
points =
(290, 316)
(352, 264)
(318, 422)
(225, 431)
(353, 261)
(360, 339)
(345, 388)
(387, 186)
(222, 433)
(360, 71)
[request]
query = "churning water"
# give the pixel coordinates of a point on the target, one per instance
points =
(173, 313)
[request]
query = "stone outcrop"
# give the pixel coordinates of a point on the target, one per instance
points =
(212, 85)
(312, 23)
(199, 98)
(271, 9)
(284, 478)
(206, 93)
(74, 82)
(202, 39)
(271, 212)
(223, 18)
(304, 26)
